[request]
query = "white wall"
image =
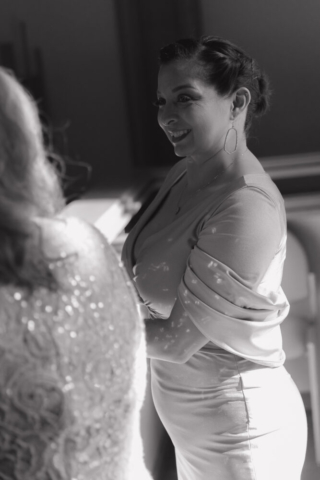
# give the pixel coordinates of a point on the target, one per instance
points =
(80, 46)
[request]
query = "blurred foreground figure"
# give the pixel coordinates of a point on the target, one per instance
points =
(72, 354)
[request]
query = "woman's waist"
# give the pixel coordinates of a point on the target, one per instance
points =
(214, 367)
(211, 365)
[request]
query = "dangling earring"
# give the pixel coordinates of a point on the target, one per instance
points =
(226, 139)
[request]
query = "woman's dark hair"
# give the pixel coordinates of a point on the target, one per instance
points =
(224, 66)
(29, 188)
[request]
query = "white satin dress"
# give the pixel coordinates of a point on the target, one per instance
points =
(232, 410)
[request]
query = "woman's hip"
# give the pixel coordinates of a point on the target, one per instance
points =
(253, 401)
(255, 418)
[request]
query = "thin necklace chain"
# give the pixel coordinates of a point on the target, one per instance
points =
(179, 204)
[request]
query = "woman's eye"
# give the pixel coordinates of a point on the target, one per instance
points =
(184, 98)
(159, 102)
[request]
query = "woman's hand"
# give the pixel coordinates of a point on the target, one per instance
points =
(143, 311)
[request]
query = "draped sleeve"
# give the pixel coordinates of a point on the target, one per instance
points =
(231, 288)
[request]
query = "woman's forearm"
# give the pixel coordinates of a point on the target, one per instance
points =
(174, 339)
(161, 338)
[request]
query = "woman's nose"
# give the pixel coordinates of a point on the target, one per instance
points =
(167, 116)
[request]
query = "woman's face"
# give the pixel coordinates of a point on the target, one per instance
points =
(192, 114)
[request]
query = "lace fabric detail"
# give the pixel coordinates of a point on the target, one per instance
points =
(71, 382)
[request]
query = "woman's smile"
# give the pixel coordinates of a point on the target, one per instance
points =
(178, 135)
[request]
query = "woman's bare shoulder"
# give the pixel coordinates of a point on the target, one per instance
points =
(61, 236)
(90, 253)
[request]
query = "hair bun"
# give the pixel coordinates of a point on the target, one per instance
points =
(262, 100)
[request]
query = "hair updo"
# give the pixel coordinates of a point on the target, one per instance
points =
(29, 188)
(226, 67)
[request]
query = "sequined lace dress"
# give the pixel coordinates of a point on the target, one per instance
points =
(72, 367)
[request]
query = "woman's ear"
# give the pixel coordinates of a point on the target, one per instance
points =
(241, 100)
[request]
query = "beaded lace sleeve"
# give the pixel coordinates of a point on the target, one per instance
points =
(72, 366)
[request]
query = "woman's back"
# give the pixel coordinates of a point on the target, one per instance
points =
(72, 367)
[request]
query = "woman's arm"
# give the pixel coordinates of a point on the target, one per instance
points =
(244, 235)
(175, 339)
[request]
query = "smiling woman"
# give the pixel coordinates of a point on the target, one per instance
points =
(193, 115)
(206, 258)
